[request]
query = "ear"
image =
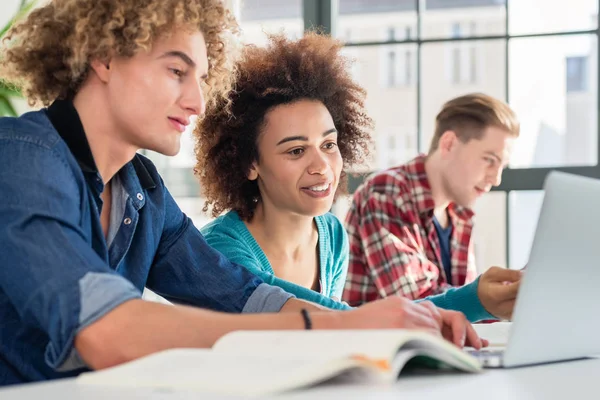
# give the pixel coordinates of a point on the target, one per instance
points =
(448, 141)
(102, 69)
(253, 172)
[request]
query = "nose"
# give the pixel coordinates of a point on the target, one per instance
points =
(193, 100)
(496, 176)
(318, 164)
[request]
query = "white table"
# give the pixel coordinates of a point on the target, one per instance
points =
(565, 380)
(569, 380)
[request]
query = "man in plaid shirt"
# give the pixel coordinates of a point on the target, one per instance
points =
(410, 226)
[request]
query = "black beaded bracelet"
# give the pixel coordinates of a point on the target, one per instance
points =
(307, 320)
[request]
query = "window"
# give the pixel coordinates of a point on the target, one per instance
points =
(456, 54)
(408, 63)
(391, 34)
(392, 142)
(394, 147)
(391, 69)
(456, 31)
(473, 65)
(515, 50)
(463, 55)
(455, 63)
(558, 111)
(543, 16)
(348, 37)
(399, 62)
(437, 87)
(577, 79)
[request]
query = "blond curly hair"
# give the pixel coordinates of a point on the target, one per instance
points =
(48, 54)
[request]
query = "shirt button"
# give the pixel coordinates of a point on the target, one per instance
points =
(127, 221)
(140, 196)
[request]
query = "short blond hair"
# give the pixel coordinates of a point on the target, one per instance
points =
(469, 115)
(48, 54)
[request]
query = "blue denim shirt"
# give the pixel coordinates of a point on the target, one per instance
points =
(58, 274)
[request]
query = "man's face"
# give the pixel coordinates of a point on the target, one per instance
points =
(154, 95)
(473, 168)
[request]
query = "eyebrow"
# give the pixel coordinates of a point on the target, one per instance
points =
(180, 54)
(184, 57)
(304, 138)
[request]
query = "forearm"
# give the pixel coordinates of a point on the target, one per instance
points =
(295, 305)
(137, 328)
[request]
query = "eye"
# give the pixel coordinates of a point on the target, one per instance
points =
(179, 73)
(490, 160)
(296, 152)
(330, 146)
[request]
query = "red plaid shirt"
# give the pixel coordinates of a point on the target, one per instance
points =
(394, 247)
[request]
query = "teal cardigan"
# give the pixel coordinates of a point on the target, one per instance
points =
(229, 235)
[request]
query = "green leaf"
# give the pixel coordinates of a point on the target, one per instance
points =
(6, 108)
(8, 90)
(24, 9)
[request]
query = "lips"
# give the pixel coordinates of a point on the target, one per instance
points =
(179, 123)
(480, 191)
(318, 191)
(319, 188)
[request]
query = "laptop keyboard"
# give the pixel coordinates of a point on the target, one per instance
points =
(489, 358)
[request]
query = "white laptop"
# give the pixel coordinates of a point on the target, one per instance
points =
(557, 313)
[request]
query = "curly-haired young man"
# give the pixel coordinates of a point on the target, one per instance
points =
(87, 222)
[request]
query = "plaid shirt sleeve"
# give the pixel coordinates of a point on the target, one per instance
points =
(387, 256)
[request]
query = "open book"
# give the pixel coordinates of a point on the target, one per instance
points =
(257, 363)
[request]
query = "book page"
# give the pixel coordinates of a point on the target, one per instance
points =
(210, 372)
(325, 344)
(378, 348)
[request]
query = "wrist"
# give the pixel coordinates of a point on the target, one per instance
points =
(327, 320)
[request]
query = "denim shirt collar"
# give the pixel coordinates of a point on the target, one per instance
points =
(66, 121)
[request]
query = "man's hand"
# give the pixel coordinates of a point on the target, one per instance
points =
(497, 291)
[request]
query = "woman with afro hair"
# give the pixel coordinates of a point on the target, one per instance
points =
(276, 160)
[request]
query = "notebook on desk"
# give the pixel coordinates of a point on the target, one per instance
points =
(556, 312)
(258, 363)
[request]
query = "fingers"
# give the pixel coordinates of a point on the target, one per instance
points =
(506, 292)
(435, 313)
(420, 316)
(512, 290)
(458, 326)
(459, 331)
(498, 274)
(473, 338)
